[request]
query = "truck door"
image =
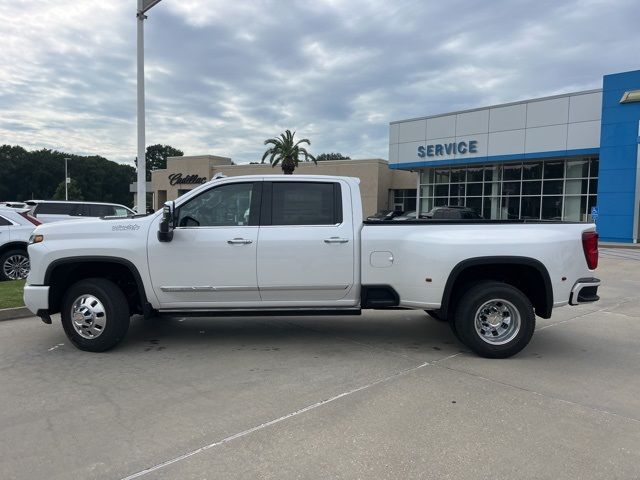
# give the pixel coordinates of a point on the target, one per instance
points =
(306, 245)
(211, 261)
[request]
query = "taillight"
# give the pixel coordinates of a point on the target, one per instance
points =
(26, 216)
(590, 247)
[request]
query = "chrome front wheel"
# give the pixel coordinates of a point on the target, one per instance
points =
(95, 314)
(88, 316)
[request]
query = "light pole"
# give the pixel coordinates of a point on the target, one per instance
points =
(143, 7)
(66, 180)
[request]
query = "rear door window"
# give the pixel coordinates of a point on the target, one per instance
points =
(306, 203)
(4, 222)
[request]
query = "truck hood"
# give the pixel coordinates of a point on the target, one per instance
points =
(91, 228)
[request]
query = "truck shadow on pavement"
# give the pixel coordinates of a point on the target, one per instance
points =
(405, 331)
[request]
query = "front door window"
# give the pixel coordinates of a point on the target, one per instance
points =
(224, 206)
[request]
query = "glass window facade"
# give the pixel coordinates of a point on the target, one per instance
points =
(554, 189)
(404, 200)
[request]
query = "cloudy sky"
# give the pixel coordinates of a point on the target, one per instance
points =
(221, 76)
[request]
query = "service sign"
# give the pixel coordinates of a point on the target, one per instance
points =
(447, 149)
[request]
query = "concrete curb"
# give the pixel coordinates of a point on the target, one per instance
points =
(628, 246)
(14, 313)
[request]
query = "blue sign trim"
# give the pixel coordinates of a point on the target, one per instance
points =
(495, 158)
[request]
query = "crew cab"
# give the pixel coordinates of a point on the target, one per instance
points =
(285, 244)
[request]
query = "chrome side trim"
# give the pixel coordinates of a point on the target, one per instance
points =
(278, 288)
(206, 288)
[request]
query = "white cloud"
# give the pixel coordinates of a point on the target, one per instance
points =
(223, 76)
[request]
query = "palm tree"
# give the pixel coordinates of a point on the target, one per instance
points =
(287, 152)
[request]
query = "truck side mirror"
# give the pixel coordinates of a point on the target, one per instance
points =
(167, 224)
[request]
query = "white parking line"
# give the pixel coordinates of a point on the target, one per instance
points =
(56, 346)
(271, 422)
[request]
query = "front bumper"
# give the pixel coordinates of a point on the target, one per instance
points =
(585, 290)
(36, 298)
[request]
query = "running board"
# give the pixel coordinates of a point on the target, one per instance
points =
(257, 313)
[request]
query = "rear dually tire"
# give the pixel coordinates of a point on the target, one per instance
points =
(494, 319)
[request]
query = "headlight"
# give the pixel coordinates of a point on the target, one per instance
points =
(35, 238)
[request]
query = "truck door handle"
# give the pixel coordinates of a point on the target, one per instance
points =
(336, 240)
(239, 241)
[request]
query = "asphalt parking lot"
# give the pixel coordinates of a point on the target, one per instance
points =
(385, 395)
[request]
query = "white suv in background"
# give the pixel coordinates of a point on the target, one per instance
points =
(53, 211)
(16, 226)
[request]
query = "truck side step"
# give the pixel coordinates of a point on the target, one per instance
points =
(258, 313)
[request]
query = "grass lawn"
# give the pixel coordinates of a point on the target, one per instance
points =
(11, 293)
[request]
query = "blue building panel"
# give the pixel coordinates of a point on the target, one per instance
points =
(496, 158)
(619, 134)
(618, 203)
(617, 181)
(615, 228)
(622, 81)
(617, 196)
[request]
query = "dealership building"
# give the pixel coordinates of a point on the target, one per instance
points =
(566, 157)
(381, 188)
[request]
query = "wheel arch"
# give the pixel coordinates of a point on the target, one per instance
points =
(524, 273)
(13, 246)
(62, 273)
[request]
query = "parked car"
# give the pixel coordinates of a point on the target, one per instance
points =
(409, 216)
(295, 244)
(452, 212)
(55, 210)
(442, 213)
(13, 204)
(384, 215)
(16, 226)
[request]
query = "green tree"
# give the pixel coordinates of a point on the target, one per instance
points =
(331, 156)
(286, 151)
(35, 174)
(156, 156)
(74, 192)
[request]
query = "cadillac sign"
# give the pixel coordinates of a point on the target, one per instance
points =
(178, 179)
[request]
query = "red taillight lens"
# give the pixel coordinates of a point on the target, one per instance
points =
(35, 221)
(590, 247)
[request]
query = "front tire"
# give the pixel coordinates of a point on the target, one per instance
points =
(494, 319)
(14, 265)
(95, 314)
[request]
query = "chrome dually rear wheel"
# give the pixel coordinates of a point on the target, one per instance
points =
(497, 321)
(494, 319)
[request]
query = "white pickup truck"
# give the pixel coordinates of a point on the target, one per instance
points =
(283, 244)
